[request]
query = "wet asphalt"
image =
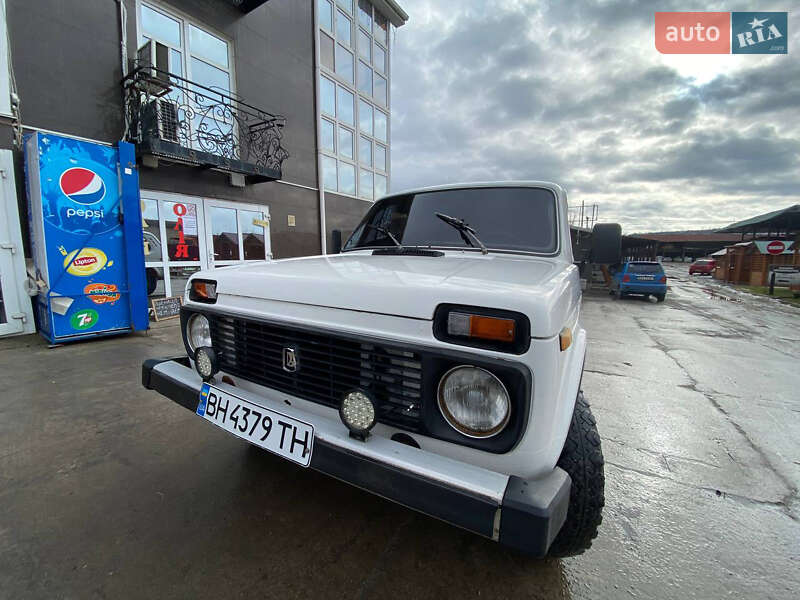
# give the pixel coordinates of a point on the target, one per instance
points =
(110, 491)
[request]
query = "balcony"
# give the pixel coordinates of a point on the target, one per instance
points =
(173, 119)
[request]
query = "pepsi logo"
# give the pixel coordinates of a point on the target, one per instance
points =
(82, 185)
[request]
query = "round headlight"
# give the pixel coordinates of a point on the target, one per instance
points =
(474, 402)
(198, 332)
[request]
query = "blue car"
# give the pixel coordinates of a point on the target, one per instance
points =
(639, 277)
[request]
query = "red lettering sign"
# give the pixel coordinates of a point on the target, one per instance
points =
(693, 32)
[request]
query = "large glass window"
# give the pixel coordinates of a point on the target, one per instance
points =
(326, 50)
(156, 25)
(380, 157)
(347, 178)
(380, 126)
(344, 28)
(325, 9)
(328, 142)
(344, 63)
(346, 110)
(346, 142)
(329, 173)
(380, 89)
(328, 96)
(354, 58)
(365, 117)
(365, 184)
(364, 79)
(365, 151)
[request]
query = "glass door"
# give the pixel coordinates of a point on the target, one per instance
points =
(237, 233)
(174, 241)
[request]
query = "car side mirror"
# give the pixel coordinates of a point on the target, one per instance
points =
(607, 243)
(336, 245)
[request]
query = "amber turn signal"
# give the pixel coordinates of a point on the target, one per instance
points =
(565, 338)
(203, 291)
(479, 326)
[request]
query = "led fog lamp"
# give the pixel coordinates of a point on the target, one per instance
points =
(198, 332)
(205, 361)
(358, 413)
(474, 402)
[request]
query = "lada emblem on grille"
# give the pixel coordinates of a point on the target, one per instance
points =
(289, 360)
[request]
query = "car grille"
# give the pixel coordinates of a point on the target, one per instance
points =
(327, 366)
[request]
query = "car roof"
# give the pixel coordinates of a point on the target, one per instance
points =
(481, 184)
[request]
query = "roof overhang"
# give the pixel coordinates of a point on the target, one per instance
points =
(392, 11)
(246, 5)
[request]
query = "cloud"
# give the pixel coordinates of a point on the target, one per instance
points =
(576, 92)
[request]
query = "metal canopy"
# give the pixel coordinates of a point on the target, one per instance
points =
(787, 219)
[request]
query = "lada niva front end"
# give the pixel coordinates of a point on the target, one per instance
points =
(436, 361)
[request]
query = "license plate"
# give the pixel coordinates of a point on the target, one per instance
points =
(645, 278)
(271, 430)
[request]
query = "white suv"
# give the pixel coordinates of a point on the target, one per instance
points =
(436, 361)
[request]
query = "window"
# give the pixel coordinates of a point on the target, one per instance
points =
(380, 157)
(364, 78)
(343, 28)
(346, 142)
(329, 173)
(327, 135)
(380, 126)
(326, 50)
(365, 117)
(381, 29)
(365, 184)
(354, 97)
(380, 89)
(344, 63)
(380, 185)
(325, 14)
(327, 92)
(365, 151)
(364, 45)
(347, 178)
(380, 59)
(346, 111)
(204, 58)
(365, 14)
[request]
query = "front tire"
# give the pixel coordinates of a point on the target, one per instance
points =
(582, 459)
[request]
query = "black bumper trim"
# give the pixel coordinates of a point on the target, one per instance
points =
(531, 514)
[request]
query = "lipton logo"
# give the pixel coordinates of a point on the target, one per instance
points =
(102, 293)
(83, 261)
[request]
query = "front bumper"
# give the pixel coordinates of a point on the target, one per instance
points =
(525, 515)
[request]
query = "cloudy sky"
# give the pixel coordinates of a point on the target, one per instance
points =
(575, 92)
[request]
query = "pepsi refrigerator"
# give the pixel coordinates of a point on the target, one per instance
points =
(85, 223)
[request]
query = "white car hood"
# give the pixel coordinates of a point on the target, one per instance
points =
(411, 286)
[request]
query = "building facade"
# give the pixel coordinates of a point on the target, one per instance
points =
(263, 125)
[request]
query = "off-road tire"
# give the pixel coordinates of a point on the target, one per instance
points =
(582, 458)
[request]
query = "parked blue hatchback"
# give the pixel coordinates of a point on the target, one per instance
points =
(639, 277)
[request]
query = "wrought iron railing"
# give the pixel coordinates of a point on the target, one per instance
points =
(172, 117)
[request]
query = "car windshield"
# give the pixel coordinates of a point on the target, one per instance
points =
(644, 268)
(504, 218)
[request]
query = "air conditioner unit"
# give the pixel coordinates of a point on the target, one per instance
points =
(153, 60)
(160, 119)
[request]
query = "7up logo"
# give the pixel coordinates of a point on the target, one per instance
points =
(84, 319)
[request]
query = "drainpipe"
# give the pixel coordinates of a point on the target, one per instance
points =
(317, 103)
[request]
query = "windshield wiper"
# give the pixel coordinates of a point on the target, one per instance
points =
(465, 230)
(387, 233)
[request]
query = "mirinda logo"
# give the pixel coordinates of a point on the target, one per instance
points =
(693, 32)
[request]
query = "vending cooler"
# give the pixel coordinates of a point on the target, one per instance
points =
(86, 237)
